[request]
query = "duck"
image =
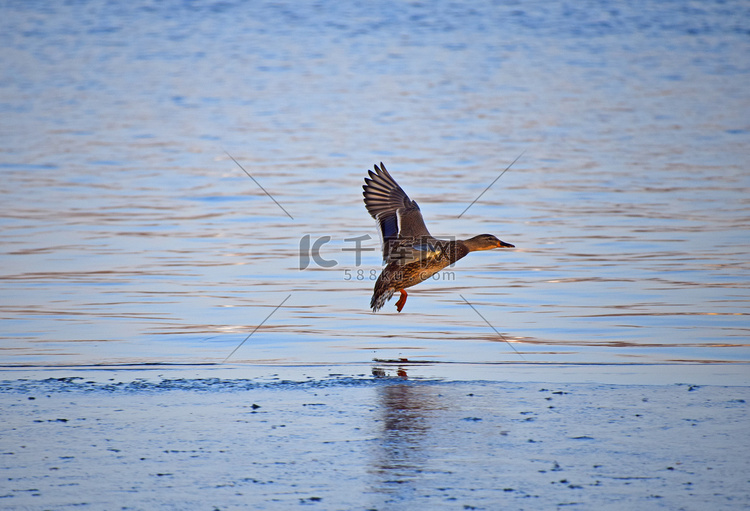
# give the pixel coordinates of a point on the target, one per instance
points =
(410, 253)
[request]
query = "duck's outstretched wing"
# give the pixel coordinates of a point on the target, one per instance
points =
(397, 215)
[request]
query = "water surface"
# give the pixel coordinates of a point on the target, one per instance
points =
(129, 236)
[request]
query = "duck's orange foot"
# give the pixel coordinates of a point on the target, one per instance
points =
(401, 301)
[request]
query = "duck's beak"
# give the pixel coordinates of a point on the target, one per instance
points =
(502, 244)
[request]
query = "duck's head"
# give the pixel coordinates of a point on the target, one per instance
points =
(485, 242)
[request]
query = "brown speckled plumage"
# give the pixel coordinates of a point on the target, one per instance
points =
(410, 252)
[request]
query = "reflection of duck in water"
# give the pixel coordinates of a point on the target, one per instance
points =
(405, 442)
(410, 252)
(379, 372)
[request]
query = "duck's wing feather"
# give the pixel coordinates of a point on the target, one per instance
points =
(397, 215)
(386, 201)
(411, 250)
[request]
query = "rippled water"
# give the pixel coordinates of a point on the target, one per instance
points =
(130, 236)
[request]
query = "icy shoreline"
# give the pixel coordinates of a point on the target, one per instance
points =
(358, 442)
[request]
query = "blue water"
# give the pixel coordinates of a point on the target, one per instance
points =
(130, 236)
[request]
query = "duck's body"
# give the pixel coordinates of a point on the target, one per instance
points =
(412, 255)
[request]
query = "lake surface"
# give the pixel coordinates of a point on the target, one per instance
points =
(129, 236)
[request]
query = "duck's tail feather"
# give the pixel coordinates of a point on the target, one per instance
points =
(382, 293)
